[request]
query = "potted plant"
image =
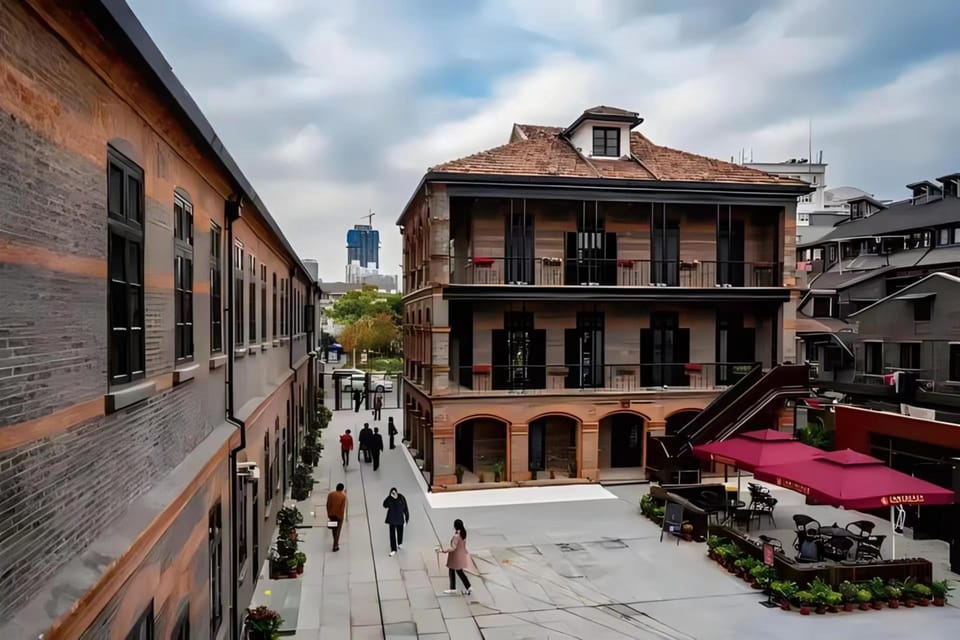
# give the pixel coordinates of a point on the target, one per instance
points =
(301, 559)
(762, 575)
(893, 596)
(263, 623)
(459, 473)
(879, 592)
(498, 467)
(287, 519)
(864, 597)
(646, 504)
(785, 591)
(302, 483)
(906, 591)
(658, 514)
(731, 555)
(848, 592)
(922, 593)
(833, 600)
(712, 543)
(941, 589)
(805, 599)
(481, 477)
(743, 566)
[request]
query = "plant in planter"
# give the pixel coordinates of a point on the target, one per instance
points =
(864, 597)
(893, 596)
(762, 575)
(805, 599)
(744, 566)
(263, 624)
(732, 553)
(302, 483)
(785, 591)
(878, 589)
(833, 600)
(848, 592)
(821, 594)
(287, 519)
(498, 467)
(906, 591)
(941, 590)
(646, 505)
(658, 514)
(301, 559)
(459, 473)
(922, 593)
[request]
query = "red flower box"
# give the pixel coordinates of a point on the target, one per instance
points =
(626, 264)
(692, 367)
(483, 262)
(481, 369)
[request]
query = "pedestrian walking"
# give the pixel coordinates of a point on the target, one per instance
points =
(377, 405)
(391, 431)
(376, 447)
(346, 446)
(458, 559)
(397, 516)
(336, 512)
(357, 400)
(366, 436)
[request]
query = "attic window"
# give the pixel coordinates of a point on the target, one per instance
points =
(606, 142)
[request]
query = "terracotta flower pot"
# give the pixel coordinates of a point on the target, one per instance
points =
(893, 603)
(938, 602)
(785, 605)
(864, 606)
(876, 605)
(848, 606)
(821, 609)
(300, 570)
(292, 573)
(804, 611)
(923, 602)
(832, 609)
(909, 604)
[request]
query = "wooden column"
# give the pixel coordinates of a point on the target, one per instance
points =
(588, 455)
(519, 447)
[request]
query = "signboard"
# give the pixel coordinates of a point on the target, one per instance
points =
(768, 553)
(672, 517)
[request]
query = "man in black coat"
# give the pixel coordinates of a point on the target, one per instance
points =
(366, 441)
(376, 446)
(397, 516)
(391, 431)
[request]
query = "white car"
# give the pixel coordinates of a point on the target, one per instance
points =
(378, 381)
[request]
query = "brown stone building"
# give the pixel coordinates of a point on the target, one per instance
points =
(155, 342)
(577, 290)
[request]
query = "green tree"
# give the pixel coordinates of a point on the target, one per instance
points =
(365, 302)
(377, 332)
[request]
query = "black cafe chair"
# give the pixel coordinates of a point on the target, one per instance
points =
(837, 548)
(802, 523)
(713, 504)
(863, 528)
(869, 548)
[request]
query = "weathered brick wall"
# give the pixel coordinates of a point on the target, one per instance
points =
(59, 494)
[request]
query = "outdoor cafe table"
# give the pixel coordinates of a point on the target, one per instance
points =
(837, 532)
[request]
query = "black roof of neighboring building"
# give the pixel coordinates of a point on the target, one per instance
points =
(123, 18)
(899, 217)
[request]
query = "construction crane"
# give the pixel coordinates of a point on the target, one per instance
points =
(369, 218)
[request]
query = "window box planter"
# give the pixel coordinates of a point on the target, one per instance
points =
(693, 367)
(625, 264)
(689, 264)
(482, 262)
(481, 369)
(552, 262)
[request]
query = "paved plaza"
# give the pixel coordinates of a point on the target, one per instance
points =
(589, 569)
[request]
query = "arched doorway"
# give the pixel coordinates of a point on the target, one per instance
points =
(553, 446)
(621, 442)
(678, 420)
(481, 443)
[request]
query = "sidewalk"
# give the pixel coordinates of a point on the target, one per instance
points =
(360, 592)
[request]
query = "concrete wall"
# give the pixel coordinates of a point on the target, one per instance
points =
(112, 506)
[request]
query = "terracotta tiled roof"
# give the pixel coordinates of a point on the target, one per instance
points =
(537, 150)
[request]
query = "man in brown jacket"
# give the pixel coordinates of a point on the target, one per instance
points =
(337, 512)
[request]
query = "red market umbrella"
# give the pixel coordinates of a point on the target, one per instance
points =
(854, 481)
(756, 449)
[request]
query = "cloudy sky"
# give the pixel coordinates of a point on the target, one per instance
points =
(335, 108)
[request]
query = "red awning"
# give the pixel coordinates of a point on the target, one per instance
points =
(756, 448)
(854, 481)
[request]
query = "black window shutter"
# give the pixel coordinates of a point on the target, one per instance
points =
(538, 359)
(609, 271)
(571, 357)
(646, 357)
(500, 359)
(570, 263)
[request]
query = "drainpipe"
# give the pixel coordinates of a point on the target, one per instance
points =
(233, 210)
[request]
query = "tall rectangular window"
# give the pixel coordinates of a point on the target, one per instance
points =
(253, 299)
(183, 277)
(283, 307)
(274, 290)
(242, 520)
(263, 303)
(216, 292)
(873, 357)
(267, 469)
(954, 373)
(606, 141)
(922, 310)
(910, 355)
(237, 310)
(215, 558)
(125, 272)
(143, 627)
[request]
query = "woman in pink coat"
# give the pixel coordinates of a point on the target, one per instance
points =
(458, 558)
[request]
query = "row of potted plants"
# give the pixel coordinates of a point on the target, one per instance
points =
(286, 560)
(312, 447)
(262, 623)
(821, 596)
(498, 468)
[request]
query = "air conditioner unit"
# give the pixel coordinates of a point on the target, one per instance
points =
(248, 470)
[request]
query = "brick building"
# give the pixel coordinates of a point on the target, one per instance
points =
(155, 340)
(579, 290)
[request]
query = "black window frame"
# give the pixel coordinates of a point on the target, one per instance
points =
(263, 303)
(183, 278)
(910, 355)
(268, 470)
(603, 144)
(238, 317)
(252, 308)
(873, 358)
(953, 362)
(143, 628)
(923, 310)
(215, 566)
(274, 290)
(283, 306)
(125, 276)
(216, 288)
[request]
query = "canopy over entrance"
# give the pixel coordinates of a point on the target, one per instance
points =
(756, 449)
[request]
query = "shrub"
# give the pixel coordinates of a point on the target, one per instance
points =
(848, 591)
(941, 588)
(287, 519)
(785, 590)
(302, 483)
(263, 622)
(921, 591)
(864, 596)
(714, 541)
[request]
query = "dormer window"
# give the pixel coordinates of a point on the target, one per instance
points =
(606, 142)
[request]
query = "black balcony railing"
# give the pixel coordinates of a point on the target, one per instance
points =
(537, 378)
(623, 272)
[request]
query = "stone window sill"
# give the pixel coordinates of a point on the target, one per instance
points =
(285, 339)
(184, 373)
(264, 346)
(239, 352)
(276, 342)
(252, 349)
(217, 361)
(129, 395)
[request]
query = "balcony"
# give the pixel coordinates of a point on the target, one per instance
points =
(484, 379)
(559, 272)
